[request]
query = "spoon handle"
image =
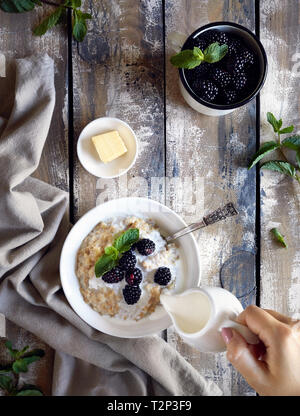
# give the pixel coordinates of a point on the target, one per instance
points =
(228, 210)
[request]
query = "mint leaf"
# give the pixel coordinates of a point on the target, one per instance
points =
(274, 122)
(112, 251)
(21, 352)
(49, 22)
(263, 151)
(36, 352)
(198, 53)
(31, 359)
(292, 142)
(6, 382)
(18, 6)
(280, 166)
(286, 130)
(279, 236)
(20, 366)
(215, 52)
(104, 264)
(186, 59)
(29, 392)
(124, 241)
(79, 24)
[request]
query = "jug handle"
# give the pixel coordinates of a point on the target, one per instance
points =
(242, 329)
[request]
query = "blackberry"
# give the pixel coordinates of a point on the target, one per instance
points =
(145, 247)
(127, 261)
(199, 71)
(206, 89)
(131, 294)
(115, 275)
(216, 36)
(234, 46)
(235, 64)
(162, 276)
(223, 38)
(248, 56)
(134, 277)
(201, 43)
(221, 77)
(212, 36)
(239, 81)
(230, 96)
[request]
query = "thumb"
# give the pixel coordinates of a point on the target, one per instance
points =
(240, 355)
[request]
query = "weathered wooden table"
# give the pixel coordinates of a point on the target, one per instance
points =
(122, 69)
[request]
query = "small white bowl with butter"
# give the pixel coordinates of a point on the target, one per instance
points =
(107, 147)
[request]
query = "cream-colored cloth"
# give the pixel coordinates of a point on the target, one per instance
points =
(33, 226)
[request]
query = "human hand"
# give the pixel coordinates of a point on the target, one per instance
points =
(272, 367)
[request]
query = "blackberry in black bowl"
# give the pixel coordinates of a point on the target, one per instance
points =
(222, 66)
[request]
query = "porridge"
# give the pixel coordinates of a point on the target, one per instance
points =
(131, 281)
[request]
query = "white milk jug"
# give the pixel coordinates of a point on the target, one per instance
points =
(199, 315)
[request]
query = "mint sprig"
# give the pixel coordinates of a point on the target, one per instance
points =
(279, 237)
(292, 142)
(79, 18)
(190, 58)
(9, 373)
(112, 254)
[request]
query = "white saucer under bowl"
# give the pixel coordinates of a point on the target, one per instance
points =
(87, 153)
(168, 222)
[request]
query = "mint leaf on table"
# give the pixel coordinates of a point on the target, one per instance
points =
(79, 24)
(6, 382)
(49, 22)
(280, 166)
(190, 58)
(18, 6)
(263, 151)
(29, 392)
(20, 366)
(126, 240)
(104, 264)
(292, 142)
(279, 237)
(215, 52)
(276, 124)
(286, 130)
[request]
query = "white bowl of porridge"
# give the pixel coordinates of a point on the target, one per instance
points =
(115, 263)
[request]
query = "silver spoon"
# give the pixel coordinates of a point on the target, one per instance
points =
(228, 210)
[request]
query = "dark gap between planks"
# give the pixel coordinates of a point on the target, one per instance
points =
(70, 117)
(258, 207)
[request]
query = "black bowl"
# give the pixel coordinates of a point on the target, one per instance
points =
(252, 43)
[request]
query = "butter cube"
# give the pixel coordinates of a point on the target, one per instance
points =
(109, 146)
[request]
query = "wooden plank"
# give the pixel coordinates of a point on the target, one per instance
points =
(216, 150)
(118, 72)
(17, 41)
(280, 268)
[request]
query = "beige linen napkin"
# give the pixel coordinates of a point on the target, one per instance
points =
(33, 226)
